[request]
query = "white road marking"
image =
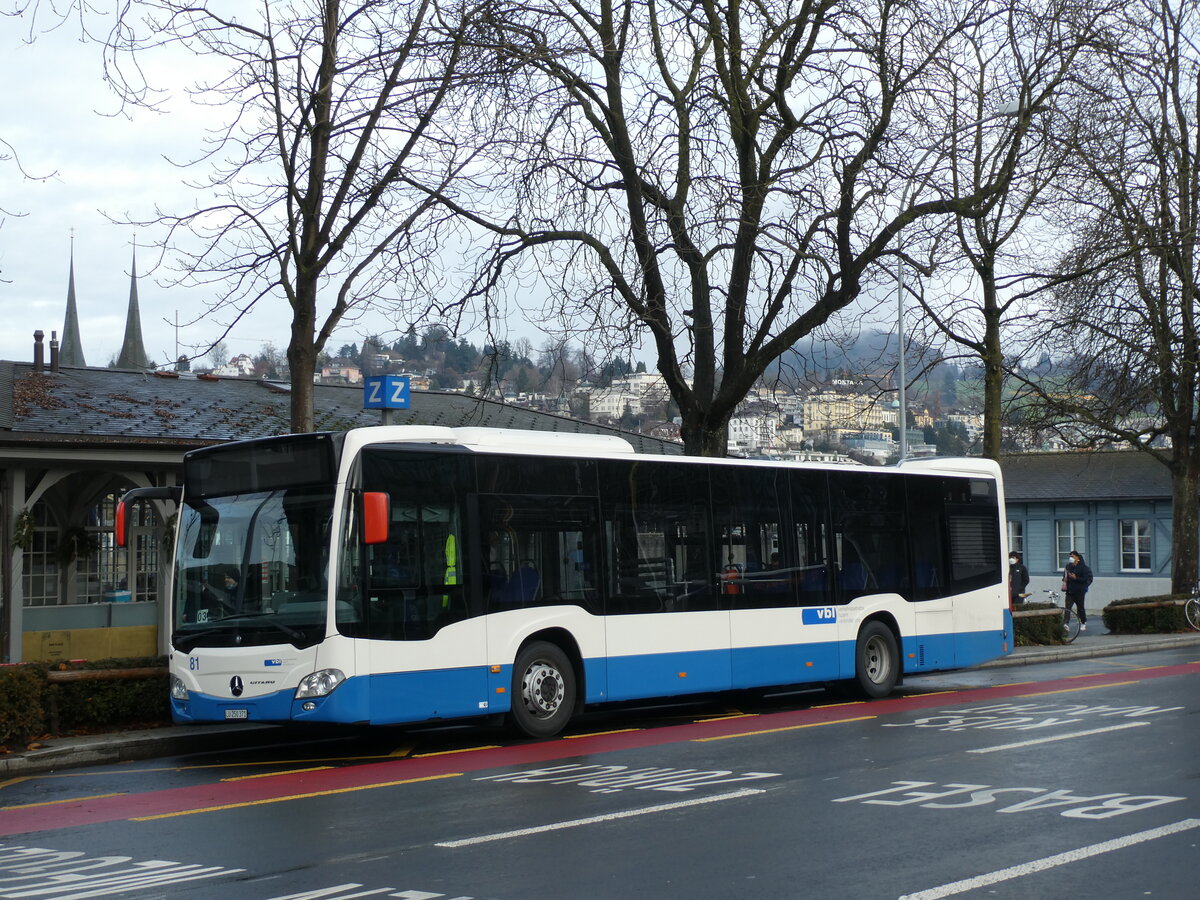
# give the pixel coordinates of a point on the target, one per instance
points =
(1057, 737)
(1050, 862)
(593, 820)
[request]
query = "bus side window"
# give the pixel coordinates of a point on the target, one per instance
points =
(810, 492)
(538, 551)
(660, 557)
(869, 522)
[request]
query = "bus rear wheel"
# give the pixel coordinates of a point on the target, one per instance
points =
(876, 660)
(543, 690)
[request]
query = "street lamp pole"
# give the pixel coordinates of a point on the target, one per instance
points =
(902, 417)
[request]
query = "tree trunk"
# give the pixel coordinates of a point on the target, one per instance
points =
(1185, 522)
(302, 357)
(704, 436)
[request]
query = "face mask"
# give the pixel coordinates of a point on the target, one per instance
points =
(1012, 560)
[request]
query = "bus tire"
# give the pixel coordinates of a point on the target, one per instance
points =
(543, 690)
(876, 660)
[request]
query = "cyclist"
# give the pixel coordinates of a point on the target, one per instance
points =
(1076, 580)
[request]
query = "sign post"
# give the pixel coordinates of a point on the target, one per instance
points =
(385, 393)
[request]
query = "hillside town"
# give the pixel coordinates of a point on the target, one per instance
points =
(844, 418)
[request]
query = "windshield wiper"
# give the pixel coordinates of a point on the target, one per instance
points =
(286, 629)
(294, 635)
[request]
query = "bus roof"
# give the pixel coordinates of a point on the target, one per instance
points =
(496, 440)
(567, 444)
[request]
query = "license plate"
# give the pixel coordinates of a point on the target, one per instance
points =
(237, 713)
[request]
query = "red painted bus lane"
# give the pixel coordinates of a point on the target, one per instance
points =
(288, 786)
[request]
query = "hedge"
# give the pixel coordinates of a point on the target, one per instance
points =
(1160, 614)
(1038, 630)
(31, 706)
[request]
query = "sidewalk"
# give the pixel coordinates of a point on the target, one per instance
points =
(172, 740)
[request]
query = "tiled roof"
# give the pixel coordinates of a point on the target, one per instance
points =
(1108, 475)
(89, 405)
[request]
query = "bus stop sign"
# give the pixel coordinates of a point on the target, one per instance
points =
(385, 392)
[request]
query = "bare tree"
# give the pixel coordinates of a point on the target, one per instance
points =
(1129, 334)
(717, 178)
(328, 106)
(1031, 55)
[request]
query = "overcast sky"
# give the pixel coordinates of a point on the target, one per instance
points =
(59, 117)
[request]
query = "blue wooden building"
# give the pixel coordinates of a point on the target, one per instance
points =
(1114, 507)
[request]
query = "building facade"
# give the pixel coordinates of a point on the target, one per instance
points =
(1113, 507)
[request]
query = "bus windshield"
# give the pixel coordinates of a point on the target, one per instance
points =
(251, 569)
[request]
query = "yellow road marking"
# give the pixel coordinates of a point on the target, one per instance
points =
(12, 781)
(572, 737)
(725, 737)
(263, 802)
(230, 765)
(403, 750)
(452, 752)
(280, 772)
(843, 703)
(727, 717)
(1090, 687)
(67, 800)
(935, 693)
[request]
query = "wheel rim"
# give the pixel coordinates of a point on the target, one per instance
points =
(877, 661)
(543, 690)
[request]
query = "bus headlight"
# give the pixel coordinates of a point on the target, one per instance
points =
(319, 683)
(179, 690)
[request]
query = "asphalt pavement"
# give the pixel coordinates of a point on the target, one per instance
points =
(172, 740)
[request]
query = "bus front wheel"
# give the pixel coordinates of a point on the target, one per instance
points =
(876, 660)
(543, 690)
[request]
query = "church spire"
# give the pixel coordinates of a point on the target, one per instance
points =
(71, 350)
(133, 353)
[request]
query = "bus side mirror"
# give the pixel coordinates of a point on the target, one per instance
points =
(119, 525)
(376, 513)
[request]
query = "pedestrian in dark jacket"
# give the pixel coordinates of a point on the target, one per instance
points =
(1076, 581)
(1018, 577)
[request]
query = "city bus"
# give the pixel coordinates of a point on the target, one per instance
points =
(407, 574)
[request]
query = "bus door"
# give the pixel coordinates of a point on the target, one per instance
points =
(932, 594)
(426, 650)
(666, 621)
(761, 574)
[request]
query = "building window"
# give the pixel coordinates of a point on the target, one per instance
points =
(39, 581)
(103, 576)
(1016, 537)
(1135, 545)
(1069, 535)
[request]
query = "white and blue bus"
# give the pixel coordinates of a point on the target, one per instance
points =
(406, 574)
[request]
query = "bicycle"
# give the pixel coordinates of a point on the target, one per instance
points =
(1191, 609)
(1070, 622)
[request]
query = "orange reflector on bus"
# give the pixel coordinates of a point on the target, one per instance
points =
(501, 690)
(808, 664)
(496, 670)
(683, 674)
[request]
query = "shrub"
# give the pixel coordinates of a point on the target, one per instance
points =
(1037, 630)
(30, 705)
(21, 715)
(1146, 615)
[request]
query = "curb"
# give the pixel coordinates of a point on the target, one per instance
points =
(1025, 656)
(106, 749)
